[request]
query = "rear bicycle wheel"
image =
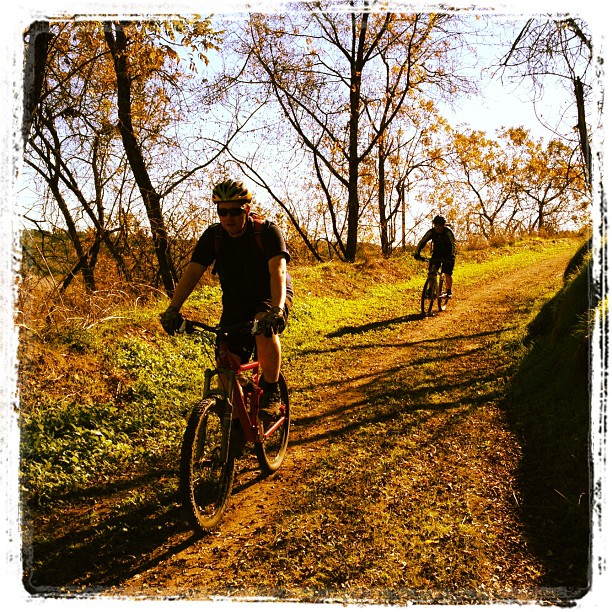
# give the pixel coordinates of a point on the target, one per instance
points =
(442, 294)
(206, 477)
(428, 296)
(271, 452)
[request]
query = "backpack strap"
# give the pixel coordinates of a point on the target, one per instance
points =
(258, 225)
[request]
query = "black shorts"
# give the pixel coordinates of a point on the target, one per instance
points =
(243, 344)
(447, 265)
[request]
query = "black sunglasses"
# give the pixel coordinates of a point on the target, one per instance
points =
(233, 212)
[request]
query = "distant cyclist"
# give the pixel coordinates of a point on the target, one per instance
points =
(444, 248)
(250, 256)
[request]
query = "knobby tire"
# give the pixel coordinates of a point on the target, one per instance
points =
(206, 478)
(271, 452)
(428, 296)
(442, 294)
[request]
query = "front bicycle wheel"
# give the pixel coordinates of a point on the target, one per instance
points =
(442, 294)
(428, 296)
(271, 452)
(206, 476)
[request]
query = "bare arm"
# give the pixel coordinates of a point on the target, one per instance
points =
(192, 274)
(278, 280)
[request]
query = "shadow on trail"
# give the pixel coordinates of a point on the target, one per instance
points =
(360, 380)
(389, 415)
(357, 347)
(102, 552)
(374, 325)
(88, 558)
(382, 400)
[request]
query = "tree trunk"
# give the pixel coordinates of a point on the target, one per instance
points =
(385, 244)
(585, 147)
(353, 173)
(401, 194)
(83, 264)
(34, 71)
(152, 200)
(361, 22)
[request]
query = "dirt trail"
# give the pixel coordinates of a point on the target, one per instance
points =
(186, 561)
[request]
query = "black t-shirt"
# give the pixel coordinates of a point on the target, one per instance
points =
(443, 244)
(241, 264)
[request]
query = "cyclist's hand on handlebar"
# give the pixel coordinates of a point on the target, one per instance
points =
(171, 320)
(272, 323)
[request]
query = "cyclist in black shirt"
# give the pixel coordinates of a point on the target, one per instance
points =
(444, 247)
(250, 256)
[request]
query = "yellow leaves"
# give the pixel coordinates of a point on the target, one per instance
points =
(106, 106)
(428, 105)
(518, 136)
(172, 54)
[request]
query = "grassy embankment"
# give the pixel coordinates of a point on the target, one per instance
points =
(549, 407)
(104, 405)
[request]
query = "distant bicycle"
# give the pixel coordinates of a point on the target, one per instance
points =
(434, 289)
(213, 440)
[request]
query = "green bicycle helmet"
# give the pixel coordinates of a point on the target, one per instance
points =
(231, 191)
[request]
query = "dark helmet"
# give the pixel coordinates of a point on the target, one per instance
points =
(439, 220)
(231, 191)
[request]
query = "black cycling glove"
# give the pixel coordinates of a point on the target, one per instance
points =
(272, 323)
(171, 320)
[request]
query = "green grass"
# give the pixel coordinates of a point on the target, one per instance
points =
(114, 404)
(373, 517)
(134, 371)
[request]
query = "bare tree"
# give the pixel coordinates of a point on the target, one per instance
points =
(53, 165)
(117, 42)
(557, 48)
(323, 68)
(55, 151)
(406, 156)
(81, 136)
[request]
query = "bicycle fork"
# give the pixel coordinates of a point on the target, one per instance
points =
(224, 400)
(433, 285)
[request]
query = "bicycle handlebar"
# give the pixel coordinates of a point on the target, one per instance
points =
(434, 259)
(188, 327)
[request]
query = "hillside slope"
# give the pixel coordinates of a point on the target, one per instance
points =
(549, 405)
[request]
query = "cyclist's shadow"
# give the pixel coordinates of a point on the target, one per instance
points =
(374, 325)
